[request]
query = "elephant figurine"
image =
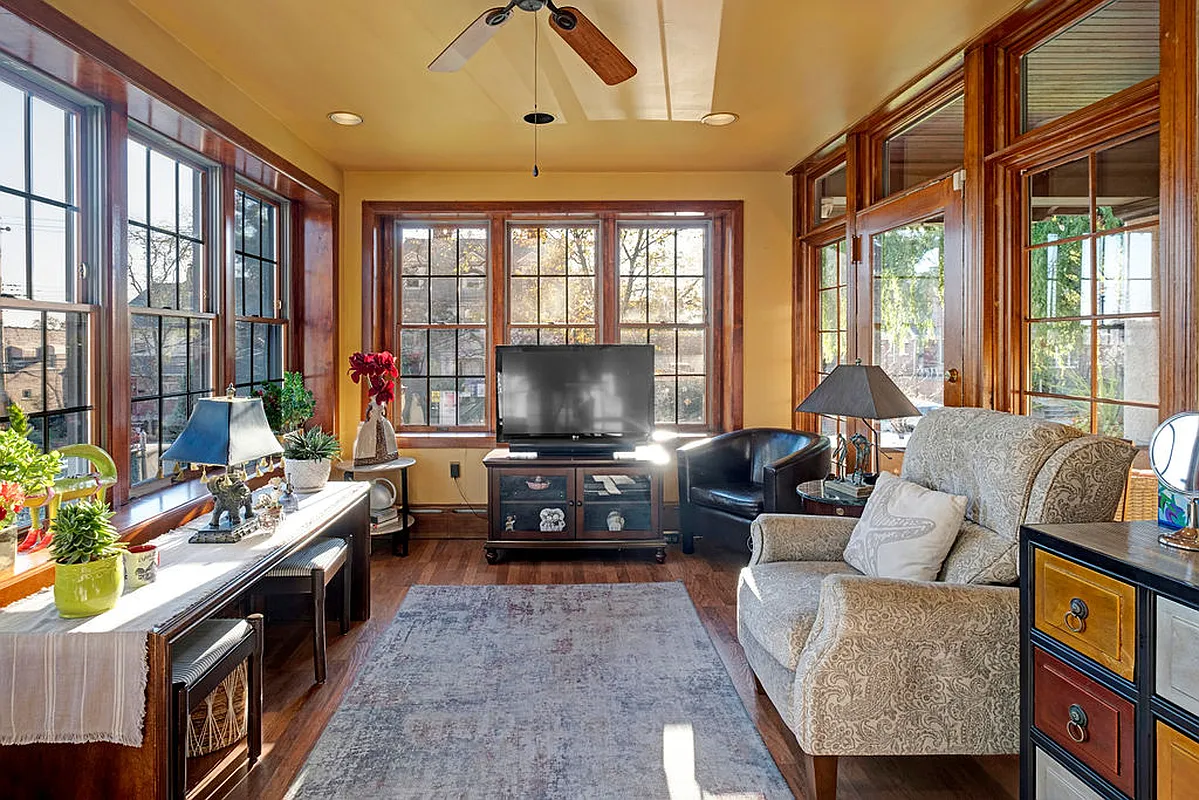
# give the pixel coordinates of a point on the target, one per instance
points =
(231, 496)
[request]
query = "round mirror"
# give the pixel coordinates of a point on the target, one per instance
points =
(1174, 453)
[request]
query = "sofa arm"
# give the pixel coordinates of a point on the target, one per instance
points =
(724, 458)
(896, 667)
(780, 477)
(794, 537)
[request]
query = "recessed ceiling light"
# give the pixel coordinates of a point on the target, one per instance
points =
(718, 119)
(345, 118)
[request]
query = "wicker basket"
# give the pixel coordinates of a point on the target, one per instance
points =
(221, 719)
(1140, 497)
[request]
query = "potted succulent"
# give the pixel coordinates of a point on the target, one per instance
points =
(288, 405)
(88, 573)
(307, 458)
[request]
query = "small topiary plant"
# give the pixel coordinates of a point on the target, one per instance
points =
(83, 532)
(310, 445)
(21, 461)
(287, 405)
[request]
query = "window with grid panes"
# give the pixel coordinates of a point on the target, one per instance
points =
(168, 295)
(1091, 327)
(444, 305)
(259, 290)
(44, 334)
(552, 280)
(832, 314)
(662, 290)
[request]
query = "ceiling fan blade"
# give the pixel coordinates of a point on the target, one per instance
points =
(592, 46)
(469, 42)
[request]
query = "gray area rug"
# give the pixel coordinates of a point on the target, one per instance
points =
(600, 690)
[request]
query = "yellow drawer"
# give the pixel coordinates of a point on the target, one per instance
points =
(1177, 764)
(1091, 613)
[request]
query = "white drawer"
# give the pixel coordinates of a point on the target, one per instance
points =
(1055, 782)
(1178, 654)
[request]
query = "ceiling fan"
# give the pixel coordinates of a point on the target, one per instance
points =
(576, 30)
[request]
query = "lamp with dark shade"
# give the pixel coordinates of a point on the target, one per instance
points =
(230, 432)
(857, 390)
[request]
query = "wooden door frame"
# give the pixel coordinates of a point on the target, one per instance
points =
(936, 198)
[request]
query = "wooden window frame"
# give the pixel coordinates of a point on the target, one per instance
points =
(121, 94)
(995, 146)
(86, 148)
(399, 326)
(725, 396)
(933, 99)
(597, 325)
(282, 262)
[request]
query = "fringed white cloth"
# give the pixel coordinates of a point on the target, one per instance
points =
(84, 680)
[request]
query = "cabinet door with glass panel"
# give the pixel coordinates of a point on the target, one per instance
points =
(616, 503)
(537, 503)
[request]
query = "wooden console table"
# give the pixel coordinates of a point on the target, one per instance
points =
(572, 502)
(189, 595)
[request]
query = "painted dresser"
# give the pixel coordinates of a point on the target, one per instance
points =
(1109, 664)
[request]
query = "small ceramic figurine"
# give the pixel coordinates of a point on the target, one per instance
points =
(615, 520)
(510, 522)
(553, 519)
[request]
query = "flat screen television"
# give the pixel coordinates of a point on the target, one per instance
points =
(574, 398)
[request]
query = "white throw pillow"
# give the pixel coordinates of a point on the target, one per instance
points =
(906, 530)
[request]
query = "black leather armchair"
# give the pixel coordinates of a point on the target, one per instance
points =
(728, 480)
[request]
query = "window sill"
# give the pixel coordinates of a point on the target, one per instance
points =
(139, 520)
(429, 441)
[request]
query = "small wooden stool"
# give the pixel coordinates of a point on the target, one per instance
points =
(309, 571)
(200, 660)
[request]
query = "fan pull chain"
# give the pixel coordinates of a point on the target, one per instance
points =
(536, 75)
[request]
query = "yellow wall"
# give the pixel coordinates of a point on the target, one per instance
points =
(136, 35)
(767, 309)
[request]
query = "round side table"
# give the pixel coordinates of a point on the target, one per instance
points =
(817, 502)
(399, 534)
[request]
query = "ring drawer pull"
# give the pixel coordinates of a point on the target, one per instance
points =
(1077, 615)
(1076, 728)
(840, 512)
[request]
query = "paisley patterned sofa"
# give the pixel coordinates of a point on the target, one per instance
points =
(863, 666)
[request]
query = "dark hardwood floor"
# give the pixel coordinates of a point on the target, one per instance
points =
(297, 710)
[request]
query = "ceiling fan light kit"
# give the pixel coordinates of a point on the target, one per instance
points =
(588, 41)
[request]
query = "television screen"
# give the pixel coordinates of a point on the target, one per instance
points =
(584, 393)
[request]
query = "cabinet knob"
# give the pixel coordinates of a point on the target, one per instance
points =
(1077, 615)
(953, 376)
(1076, 728)
(840, 512)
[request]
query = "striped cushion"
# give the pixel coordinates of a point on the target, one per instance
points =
(319, 555)
(203, 646)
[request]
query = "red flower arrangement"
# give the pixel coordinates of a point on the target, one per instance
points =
(12, 500)
(380, 372)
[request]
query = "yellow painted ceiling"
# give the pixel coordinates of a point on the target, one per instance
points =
(796, 71)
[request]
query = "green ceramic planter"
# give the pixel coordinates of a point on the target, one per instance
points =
(85, 590)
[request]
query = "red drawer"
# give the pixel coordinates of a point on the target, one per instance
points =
(1090, 721)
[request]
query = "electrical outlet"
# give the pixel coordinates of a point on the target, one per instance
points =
(455, 470)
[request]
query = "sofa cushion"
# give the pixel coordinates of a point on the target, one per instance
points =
(905, 530)
(777, 602)
(990, 457)
(744, 500)
(980, 555)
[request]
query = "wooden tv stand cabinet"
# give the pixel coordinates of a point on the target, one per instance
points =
(574, 502)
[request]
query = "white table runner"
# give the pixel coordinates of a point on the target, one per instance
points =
(84, 680)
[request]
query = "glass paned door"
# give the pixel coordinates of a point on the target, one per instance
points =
(913, 257)
(536, 504)
(616, 503)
